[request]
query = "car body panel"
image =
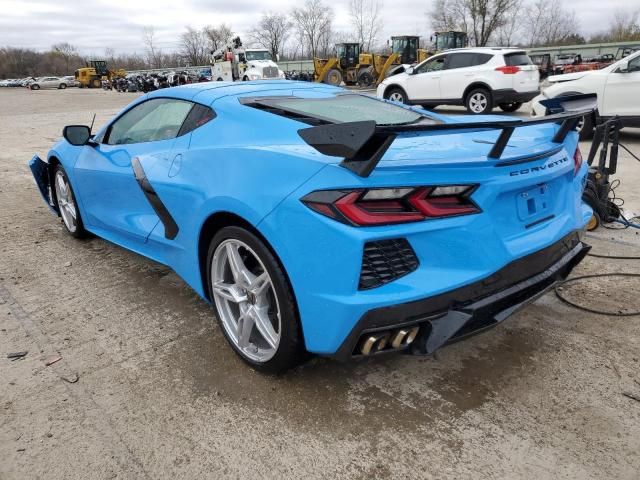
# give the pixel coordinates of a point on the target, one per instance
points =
(253, 164)
(617, 91)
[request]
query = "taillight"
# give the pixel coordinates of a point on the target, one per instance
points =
(508, 70)
(577, 161)
(385, 206)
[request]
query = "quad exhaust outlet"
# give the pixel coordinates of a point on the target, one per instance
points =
(390, 340)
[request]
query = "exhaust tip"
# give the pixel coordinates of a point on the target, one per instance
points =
(398, 338)
(411, 336)
(374, 343)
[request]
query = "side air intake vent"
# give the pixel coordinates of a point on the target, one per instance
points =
(386, 260)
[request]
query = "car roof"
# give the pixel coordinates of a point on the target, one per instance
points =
(208, 92)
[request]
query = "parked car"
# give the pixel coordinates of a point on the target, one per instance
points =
(48, 82)
(315, 218)
(617, 87)
(70, 81)
(478, 78)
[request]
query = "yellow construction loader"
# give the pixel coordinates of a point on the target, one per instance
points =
(92, 75)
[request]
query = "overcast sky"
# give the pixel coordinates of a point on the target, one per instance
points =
(93, 25)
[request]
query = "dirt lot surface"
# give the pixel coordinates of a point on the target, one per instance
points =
(147, 387)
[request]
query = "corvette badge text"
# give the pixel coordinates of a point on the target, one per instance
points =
(541, 168)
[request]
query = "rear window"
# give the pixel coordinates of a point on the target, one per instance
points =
(343, 108)
(516, 59)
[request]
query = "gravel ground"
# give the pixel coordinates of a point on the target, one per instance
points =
(147, 388)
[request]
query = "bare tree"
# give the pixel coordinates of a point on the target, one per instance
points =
(625, 26)
(193, 46)
(313, 23)
(218, 36)
(154, 53)
(366, 21)
(272, 32)
(547, 23)
(508, 33)
(479, 18)
(66, 51)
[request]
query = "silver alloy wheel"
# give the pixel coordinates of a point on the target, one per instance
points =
(478, 102)
(396, 97)
(66, 202)
(246, 300)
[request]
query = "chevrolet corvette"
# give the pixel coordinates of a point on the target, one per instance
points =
(316, 219)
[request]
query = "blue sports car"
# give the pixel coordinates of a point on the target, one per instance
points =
(320, 220)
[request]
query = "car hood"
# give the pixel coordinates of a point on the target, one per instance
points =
(566, 77)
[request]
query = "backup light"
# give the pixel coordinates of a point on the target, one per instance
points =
(385, 206)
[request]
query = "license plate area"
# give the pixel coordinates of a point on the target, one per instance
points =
(533, 203)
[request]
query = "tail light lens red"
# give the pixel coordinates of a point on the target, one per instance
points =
(577, 161)
(385, 206)
(508, 70)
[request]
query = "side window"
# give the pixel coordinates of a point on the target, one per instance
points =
(432, 65)
(482, 58)
(198, 116)
(154, 120)
(460, 60)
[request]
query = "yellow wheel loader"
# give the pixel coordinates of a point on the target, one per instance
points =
(92, 75)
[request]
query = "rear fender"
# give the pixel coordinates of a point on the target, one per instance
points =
(42, 176)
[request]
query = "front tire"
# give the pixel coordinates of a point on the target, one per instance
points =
(62, 86)
(253, 301)
(396, 95)
(510, 107)
(479, 101)
(35, 86)
(333, 77)
(67, 205)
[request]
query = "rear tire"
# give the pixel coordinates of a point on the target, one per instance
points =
(62, 86)
(67, 205)
(396, 94)
(479, 101)
(333, 77)
(510, 107)
(274, 299)
(96, 83)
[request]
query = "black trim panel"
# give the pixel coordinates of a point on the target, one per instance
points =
(511, 286)
(170, 226)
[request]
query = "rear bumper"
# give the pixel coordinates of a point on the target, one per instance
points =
(465, 311)
(509, 95)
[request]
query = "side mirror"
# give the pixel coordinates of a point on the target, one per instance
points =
(623, 67)
(76, 135)
(409, 70)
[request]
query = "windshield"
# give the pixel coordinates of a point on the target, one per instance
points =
(348, 108)
(258, 55)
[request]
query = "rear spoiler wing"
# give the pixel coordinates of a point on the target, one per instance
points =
(363, 144)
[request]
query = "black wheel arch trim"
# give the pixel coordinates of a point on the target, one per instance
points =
(170, 226)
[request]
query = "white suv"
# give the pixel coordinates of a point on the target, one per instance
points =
(617, 87)
(478, 78)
